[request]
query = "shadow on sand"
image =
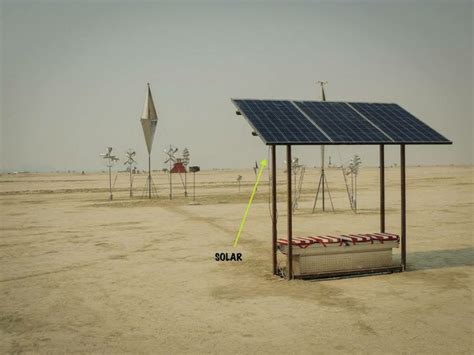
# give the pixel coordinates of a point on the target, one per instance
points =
(438, 259)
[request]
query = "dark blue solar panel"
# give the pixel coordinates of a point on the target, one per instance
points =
(341, 123)
(399, 124)
(316, 122)
(279, 122)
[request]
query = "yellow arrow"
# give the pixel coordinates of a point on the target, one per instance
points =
(263, 164)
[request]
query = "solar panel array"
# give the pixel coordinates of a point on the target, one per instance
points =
(317, 122)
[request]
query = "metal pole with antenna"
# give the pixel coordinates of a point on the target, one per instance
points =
(323, 94)
(323, 183)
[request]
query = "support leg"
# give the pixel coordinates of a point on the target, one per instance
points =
(403, 202)
(322, 189)
(274, 212)
(382, 189)
(290, 213)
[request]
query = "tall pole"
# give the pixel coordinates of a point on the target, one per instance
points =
(130, 168)
(323, 174)
(289, 212)
(403, 203)
(274, 212)
(382, 188)
(323, 177)
(149, 176)
(110, 181)
(194, 186)
(171, 181)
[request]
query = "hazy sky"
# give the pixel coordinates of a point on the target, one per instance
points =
(74, 73)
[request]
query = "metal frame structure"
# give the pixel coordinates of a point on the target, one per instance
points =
(396, 268)
(259, 112)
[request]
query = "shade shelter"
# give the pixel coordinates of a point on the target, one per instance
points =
(287, 123)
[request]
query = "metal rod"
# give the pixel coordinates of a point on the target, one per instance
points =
(317, 192)
(171, 181)
(322, 174)
(329, 193)
(274, 212)
(323, 95)
(290, 212)
(110, 182)
(382, 188)
(131, 191)
(194, 186)
(185, 183)
(349, 273)
(403, 202)
(149, 176)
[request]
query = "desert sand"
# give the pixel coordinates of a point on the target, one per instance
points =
(81, 274)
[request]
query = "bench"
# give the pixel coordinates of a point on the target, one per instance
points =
(321, 254)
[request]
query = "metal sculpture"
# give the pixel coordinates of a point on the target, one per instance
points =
(130, 162)
(111, 159)
(353, 171)
(171, 153)
(186, 159)
(149, 121)
(298, 169)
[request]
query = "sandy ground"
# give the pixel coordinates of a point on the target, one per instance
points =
(81, 274)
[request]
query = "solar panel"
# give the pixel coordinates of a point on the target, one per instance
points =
(317, 122)
(341, 123)
(399, 124)
(280, 122)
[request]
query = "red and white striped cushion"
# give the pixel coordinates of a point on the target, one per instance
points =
(384, 237)
(357, 238)
(345, 239)
(304, 242)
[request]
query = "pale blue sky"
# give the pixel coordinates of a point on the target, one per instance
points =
(74, 75)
